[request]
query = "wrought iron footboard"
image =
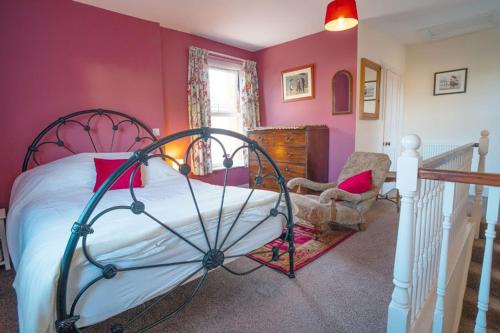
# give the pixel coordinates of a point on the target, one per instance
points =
(213, 257)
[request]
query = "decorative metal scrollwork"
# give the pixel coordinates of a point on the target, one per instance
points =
(86, 120)
(214, 256)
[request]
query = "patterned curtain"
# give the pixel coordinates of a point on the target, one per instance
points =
(249, 95)
(199, 108)
(249, 98)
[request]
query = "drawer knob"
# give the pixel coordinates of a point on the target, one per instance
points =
(287, 169)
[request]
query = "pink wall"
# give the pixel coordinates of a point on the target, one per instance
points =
(59, 56)
(175, 65)
(329, 52)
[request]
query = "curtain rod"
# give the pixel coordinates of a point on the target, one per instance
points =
(222, 55)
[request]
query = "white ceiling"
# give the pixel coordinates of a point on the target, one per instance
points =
(257, 24)
(440, 21)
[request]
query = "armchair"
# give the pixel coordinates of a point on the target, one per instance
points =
(334, 205)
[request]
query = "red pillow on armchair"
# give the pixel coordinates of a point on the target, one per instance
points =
(357, 184)
(104, 168)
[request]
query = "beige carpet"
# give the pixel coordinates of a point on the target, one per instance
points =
(346, 290)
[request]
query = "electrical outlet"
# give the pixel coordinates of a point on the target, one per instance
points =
(156, 131)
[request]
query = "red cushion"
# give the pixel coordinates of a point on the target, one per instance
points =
(104, 168)
(360, 183)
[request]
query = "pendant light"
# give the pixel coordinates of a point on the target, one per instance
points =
(341, 15)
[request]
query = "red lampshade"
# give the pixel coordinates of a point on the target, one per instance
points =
(341, 15)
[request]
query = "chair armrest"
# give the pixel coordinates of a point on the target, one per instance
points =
(338, 194)
(309, 184)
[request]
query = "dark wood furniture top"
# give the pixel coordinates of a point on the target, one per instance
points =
(299, 151)
(391, 177)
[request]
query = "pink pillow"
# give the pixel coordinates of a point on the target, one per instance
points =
(104, 168)
(357, 184)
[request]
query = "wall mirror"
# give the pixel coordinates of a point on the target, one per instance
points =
(342, 93)
(369, 97)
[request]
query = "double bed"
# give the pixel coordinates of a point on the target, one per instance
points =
(82, 257)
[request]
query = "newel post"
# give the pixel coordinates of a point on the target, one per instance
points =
(407, 183)
(477, 210)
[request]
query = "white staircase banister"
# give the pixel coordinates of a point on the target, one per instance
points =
(436, 236)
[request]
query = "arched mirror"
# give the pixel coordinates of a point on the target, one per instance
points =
(342, 93)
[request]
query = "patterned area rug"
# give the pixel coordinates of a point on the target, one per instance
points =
(307, 248)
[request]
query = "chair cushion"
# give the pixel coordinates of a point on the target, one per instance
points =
(359, 183)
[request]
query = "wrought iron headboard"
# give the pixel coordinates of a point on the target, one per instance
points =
(116, 119)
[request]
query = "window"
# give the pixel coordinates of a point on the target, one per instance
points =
(225, 113)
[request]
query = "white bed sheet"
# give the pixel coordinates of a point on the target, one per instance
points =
(41, 217)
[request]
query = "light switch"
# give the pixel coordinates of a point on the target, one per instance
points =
(156, 131)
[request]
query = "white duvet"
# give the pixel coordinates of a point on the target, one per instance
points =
(47, 200)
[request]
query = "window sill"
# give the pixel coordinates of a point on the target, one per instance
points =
(219, 168)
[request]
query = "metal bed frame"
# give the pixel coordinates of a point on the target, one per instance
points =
(208, 260)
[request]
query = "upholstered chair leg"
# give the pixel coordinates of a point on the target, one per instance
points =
(333, 211)
(324, 231)
(300, 190)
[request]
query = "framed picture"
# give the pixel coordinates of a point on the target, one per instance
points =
(370, 90)
(298, 83)
(450, 82)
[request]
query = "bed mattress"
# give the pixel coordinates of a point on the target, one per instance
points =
(46, 202)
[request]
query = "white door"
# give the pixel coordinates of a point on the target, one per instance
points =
(392, 106)
(392, 113)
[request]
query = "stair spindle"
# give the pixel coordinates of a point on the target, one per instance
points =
(477, 210)
(449, 196)
(490, 234)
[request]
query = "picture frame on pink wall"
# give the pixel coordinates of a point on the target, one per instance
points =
(298, 83)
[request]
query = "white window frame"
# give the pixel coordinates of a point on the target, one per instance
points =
(236, 67)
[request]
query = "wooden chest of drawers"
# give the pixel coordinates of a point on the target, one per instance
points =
(299, 151)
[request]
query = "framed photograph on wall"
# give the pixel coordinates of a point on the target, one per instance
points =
(370, 90)
(298, 83)
(450, 82)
